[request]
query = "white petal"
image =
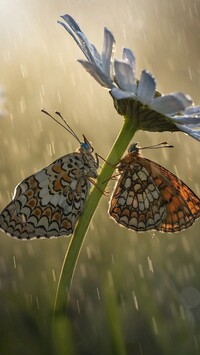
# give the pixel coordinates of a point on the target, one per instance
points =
(95, 54)
(193, 110)
(97, 74)
(74, 30)
(186, 119)
(185, 100)
(128, 56)
(108, 51)
(120, 94)
(71, 22)
(89, 49)
(146, 88)
(189, 130)
(172, 103)
(125, 76)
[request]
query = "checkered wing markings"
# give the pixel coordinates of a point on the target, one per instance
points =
(183, 206)
(47, 203)
(136, 202)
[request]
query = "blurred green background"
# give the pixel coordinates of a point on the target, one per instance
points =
(132, 293)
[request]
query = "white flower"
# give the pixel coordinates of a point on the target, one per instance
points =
(137, 100)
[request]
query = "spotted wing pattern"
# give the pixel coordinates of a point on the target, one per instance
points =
(183, 206)
(49, 202)
(147, 196)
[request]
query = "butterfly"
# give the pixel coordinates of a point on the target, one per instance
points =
(148, 196)
(50, 202)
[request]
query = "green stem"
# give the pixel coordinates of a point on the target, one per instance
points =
(71, 257)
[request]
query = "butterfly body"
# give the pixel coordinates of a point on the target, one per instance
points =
(147, 196)
(49, 202)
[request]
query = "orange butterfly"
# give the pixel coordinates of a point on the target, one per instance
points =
(148, 196)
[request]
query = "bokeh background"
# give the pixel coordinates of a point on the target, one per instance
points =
(139, 291)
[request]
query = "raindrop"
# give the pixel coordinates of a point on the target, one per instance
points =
(195, 342)
(14, 262)
(23, 71)
(98, 294)
(150, 264)
(88, 250)
(195, 9)
(92, 226)
(186, 245)
(141, 272)
(190, 73)
(37, 302)
(135, 301)
(83, 271)
(78, 306)
(59, 97)
(54, 275)
(110, 278)
(182, 312)
(155, 325)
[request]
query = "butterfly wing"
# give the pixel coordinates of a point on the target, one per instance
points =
(136, 202)
(49, 202)
(182, 205)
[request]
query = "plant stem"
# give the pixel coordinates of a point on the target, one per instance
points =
(71, 257)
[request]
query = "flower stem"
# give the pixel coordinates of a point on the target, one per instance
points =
(71, 257)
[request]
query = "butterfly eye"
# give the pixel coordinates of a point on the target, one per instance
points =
(85, 146)
(133, 148)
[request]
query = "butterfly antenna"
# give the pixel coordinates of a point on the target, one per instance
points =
(66, 126)
(159, 145)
